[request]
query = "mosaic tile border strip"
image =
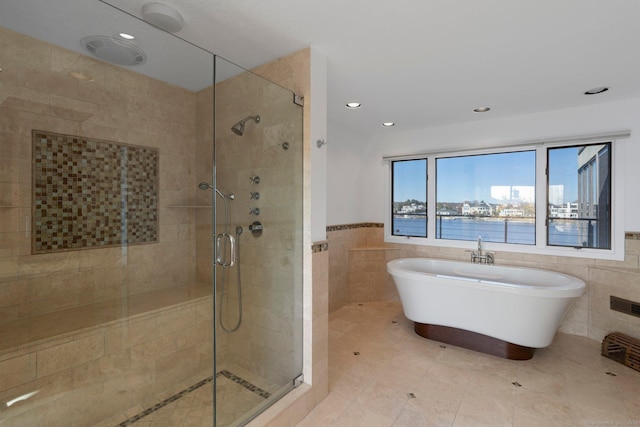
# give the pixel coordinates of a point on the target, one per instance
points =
(319, 247)
(89, 193)
(224, 373)
(632, 235)
(324, 246)
(246, 384)
(354, 226)
(165, 402)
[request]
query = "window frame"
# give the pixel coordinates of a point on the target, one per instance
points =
(589, 186)
(541, 198)
(498, 151)
(426, 194)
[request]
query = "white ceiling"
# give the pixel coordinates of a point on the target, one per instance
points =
(418, 63)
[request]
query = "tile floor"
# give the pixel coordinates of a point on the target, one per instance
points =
(382, 374)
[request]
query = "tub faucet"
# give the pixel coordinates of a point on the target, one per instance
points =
(480, 258)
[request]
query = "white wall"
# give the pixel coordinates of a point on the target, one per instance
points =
(346, 163)
(318, 156)
(367, 202)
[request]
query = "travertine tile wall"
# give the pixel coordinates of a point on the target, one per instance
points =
(589, 316)
(36, 92)
(354, 276)
(294, 73)
(204, 173)
(84, 376)
(293, 407)
(270, 264)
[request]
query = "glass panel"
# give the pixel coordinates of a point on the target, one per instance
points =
(489, 196)
(258, 160)
(409, 210)
(102, 271)
(579, 204)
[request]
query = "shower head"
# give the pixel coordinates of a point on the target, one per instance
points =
(207, 186)
(238, 128)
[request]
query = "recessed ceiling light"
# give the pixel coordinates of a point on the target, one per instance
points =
(353, 105)
(596, 90)
(126, 36)
(481, 110)
(388, 124)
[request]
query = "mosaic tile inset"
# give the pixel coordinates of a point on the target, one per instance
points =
(89, 193)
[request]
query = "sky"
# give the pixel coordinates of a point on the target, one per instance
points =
(472, 177)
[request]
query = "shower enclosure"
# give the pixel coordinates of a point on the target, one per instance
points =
(258, 169)
(150, 226)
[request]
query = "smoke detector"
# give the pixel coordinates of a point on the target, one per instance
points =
(162, 16)
(112, 50)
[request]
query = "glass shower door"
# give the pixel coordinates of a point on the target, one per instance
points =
(106, 301)
(258, 243)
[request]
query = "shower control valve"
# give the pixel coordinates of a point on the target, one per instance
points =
(254, 211)
(256, 228)
(255, 179)
(255, 195)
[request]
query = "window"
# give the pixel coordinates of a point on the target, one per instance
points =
(579, 202)
(409, 207)
(489, 196)
(548, 198)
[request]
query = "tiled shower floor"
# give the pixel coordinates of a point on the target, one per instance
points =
(238, 392)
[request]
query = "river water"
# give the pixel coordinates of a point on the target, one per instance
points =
(518, 231)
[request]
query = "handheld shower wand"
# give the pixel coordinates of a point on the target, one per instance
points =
(207, 186)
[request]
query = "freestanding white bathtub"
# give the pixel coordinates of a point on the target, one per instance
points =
(504, 311)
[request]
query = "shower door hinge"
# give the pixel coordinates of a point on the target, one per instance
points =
(298, 99)
(297, 381)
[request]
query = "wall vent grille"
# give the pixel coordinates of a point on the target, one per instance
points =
(624, 306)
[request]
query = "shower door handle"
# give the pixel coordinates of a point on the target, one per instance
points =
(221, 249)
(232, 250)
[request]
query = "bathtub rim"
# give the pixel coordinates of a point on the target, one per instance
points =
(572, 288)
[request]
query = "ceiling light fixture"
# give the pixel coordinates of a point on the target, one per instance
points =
(162, 16)
(353, 105)
(388, 124)
(481, 110)
(126, 36)
(596, 90)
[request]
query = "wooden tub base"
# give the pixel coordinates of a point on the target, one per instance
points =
(474, 341)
